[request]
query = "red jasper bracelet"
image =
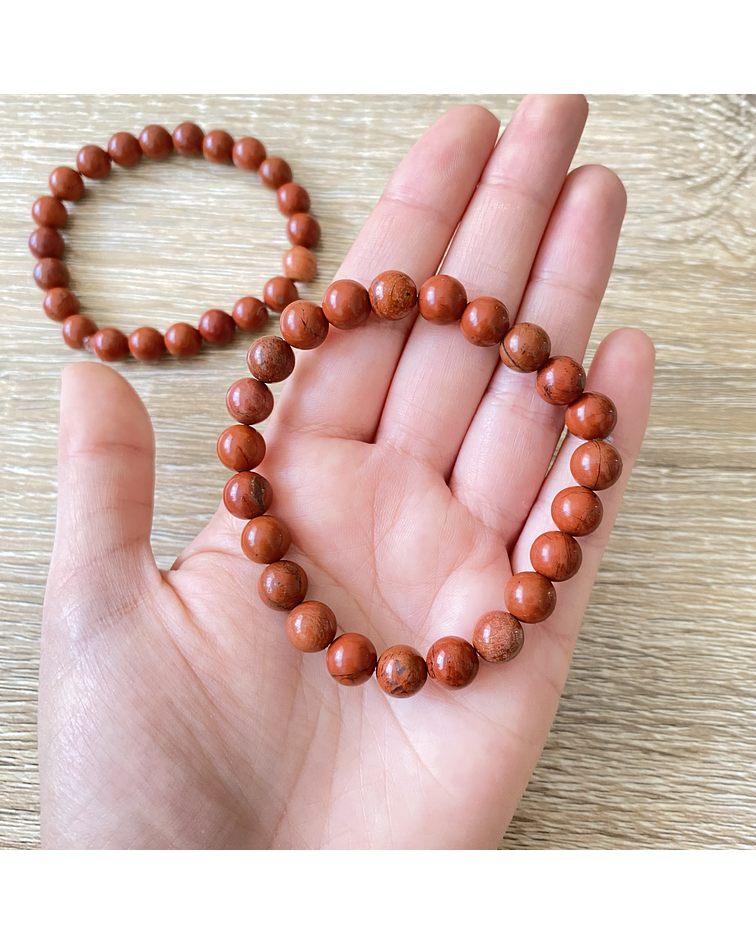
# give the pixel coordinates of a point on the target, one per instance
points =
(311, 626)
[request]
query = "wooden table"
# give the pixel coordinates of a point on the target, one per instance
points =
(655, 741)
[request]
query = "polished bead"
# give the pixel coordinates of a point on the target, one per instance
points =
(556, 555)
(50, 273)
(303, 230)
(592, 416)
(525, 348)
(452, 662)
(442, 300)
(77, 330)
(240, 447)
(93, 162)
(147, 344)
(304, 325)
(274, 172)
(401, 671)
(124, 149)
(311, 626)
(282, 585)
(188, 138)
(351, 659)
(530, 597)
(393, 295)
(577, 511)
(249, 401)
(265, 539)
(299, 264)
(279, 292)
(250, 314)
(218, 147)
(66, 183)
(59, 304)
(156, 143)
(46, 242)
(498, 637)
(247, 494)
(217, 327)
(346, 304)
(292, 198)
(109, 344)
(270, 359)
(485, 322)
(49, 211)
(248, 154)
(183, 340)
(560, 381)
(596, 465)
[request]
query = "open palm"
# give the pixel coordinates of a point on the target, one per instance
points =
(410, 468)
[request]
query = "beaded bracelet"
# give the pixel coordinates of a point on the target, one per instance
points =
(311, 626)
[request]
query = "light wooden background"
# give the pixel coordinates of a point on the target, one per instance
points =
(655, 741)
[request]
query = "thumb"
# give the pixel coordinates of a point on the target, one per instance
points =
(106, 480)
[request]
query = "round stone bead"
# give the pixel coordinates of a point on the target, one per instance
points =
(248, 154)
(292, 198)
(303, 230)
(270, 359)
(50, 273)
(46, 242)
(218, 147)
(188, 138)
(77, 330)
(393, 295)
(93, 162)
(217, 327)
(577, 511)
(250, 314)
(556, 555)
(248, 401)
(525, 348)
(530, 597)
(279, 292)
(283, 585)
(60, 303)
(124, 149)
(49, 211)
(401, 671)
(560, 381)
(299, 264)
(442, 300)
(311, 626)
(66, 183)
(156, 143)
(351, 659)
(240, 447)
(275, 172)
(147, 344)
(485, 322)
(452, 662)
(592, 416)
(265, 539)
(346, 304)
(304, 325)
(109, 344)
(498, 637)
(183, 340)
(247, 495)
(596, 465)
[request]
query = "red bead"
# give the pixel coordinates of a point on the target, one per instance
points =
(351, 659)
(401, 671)
(250, 314)
(560, 381)
(59, 304)
(299, 264)
(393, 295)
(270, 359)
(282, 585)
(485, 322)
(265, 539)
(188, 138)
(124, 149)
(556, 555)
(156, 143)
(279, 292)
(147, 344)
(596, 465)
(498, 637)
(592, 416)
(303, 230)
(452, 662)
(49, 211)
(183, 340)
(442, 300)
(50, 273)
(217, 327)
(577, 511)
(93, 162)
(77, 330)
(304, 325)
(240, 447)
(66, 183)
(218, 147)
(249, 401)
(247, 495)
(292, 198)
(248, 154)
(274, 172)
(525, 348)
(530, 597)
(311, 626)
(346, 304)
(109, 344)
(46, 242)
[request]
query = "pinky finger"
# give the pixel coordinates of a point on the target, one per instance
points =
(623, 369)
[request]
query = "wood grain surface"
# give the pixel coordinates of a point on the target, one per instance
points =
(655, 741)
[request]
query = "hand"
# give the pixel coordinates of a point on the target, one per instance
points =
(410, 467)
